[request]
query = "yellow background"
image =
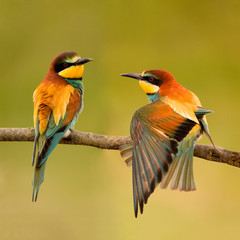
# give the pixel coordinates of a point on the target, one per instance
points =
(87, 193)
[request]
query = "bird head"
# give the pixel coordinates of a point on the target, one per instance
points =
(150, 80)
(69, 65)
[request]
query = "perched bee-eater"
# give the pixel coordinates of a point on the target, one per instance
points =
(164, 134)
(58, 101)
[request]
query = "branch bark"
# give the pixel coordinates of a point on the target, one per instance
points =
(206, 152)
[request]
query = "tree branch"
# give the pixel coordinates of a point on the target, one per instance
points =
(206, 152)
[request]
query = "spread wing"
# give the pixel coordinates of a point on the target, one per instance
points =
(156, 130)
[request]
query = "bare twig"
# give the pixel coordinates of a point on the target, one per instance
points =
(207, 152)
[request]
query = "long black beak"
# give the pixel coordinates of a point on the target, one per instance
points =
(133, 75)
(82, 61)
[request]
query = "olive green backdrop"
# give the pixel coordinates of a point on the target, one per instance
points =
(87, 193)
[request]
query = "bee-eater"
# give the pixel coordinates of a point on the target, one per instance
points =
(58, 101)
(164, 134)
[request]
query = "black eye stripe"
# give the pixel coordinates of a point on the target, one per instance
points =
(61, 66)
(153, 80)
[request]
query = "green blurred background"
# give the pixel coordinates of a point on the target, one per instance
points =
(87, 193)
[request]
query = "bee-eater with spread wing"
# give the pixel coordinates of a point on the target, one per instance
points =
(58, 101)
(164, 134)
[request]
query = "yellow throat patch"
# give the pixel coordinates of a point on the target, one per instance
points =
(72, 72)
(148, 88)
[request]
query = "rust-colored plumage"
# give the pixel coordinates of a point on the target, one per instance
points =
(51, 96)
(164, 133)
(57, 103)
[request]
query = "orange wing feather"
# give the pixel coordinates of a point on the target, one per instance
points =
(163, 118)
(73, 106)
(180, 99)
(52, 95)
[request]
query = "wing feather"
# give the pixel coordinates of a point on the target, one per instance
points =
(186, 110)
(156, 129)
(138, 186)
(153, 146)
(146, 173)
(135, 191)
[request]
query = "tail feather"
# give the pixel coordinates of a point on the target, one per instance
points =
(34, 149)
(37, 180)
(186, 182)
(44, 148)
(180, 173)
(204, 127)
(200, 113)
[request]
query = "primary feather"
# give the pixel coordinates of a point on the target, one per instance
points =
(164, 134)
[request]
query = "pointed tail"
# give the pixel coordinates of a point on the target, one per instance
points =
(200, 113)
(37, 180)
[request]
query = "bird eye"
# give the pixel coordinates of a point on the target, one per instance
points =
(151, 79)
(65, 64)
